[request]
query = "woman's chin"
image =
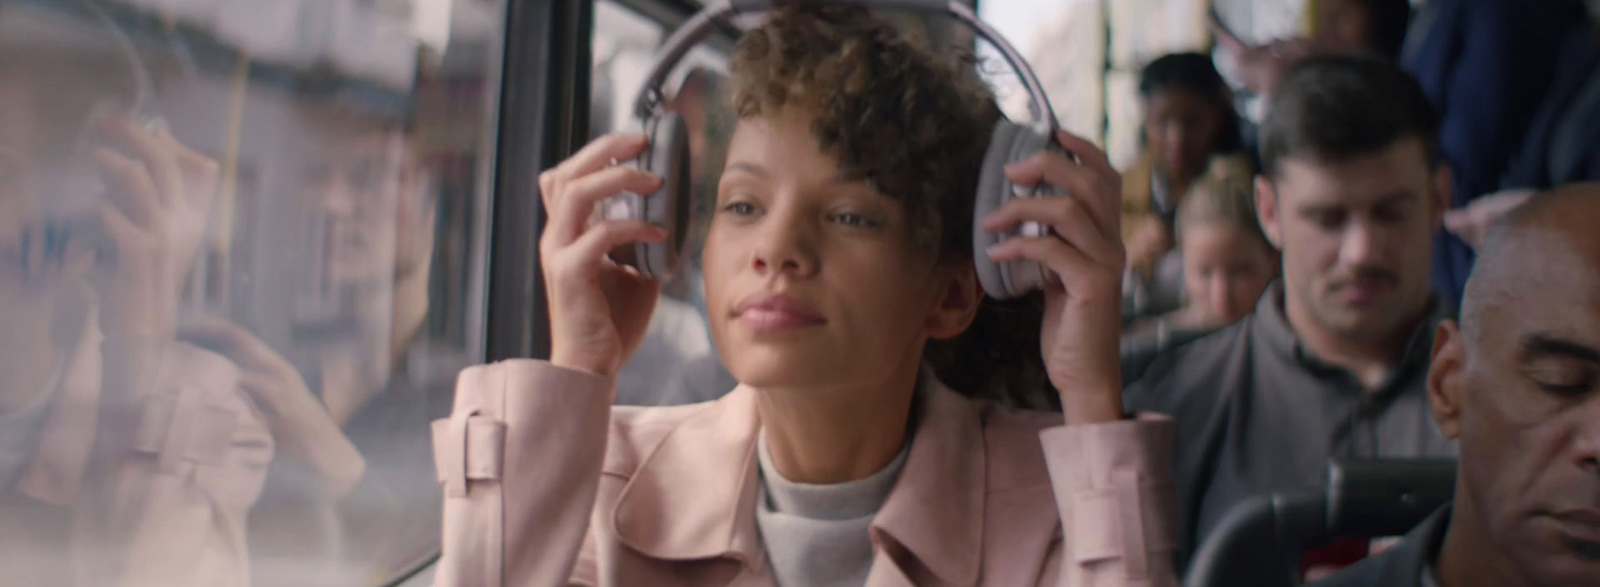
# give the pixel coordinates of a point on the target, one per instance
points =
(774, 375)
(762, 367)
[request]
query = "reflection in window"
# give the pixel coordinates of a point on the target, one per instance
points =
(239, 268)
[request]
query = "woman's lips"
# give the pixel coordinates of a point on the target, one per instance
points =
(767, 311)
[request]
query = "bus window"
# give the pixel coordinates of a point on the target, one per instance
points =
(675, 364)
(241, 262)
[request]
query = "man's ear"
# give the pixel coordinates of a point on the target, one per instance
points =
(1445, 378)
(1267, 211)
(957, 303)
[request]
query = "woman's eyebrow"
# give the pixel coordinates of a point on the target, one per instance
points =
(746, 167)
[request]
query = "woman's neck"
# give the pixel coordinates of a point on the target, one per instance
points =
(837, 434)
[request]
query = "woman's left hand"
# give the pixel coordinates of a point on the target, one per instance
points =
(1083, 305)
(153, 219)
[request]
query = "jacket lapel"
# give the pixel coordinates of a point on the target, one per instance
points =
(936, 509)
(693, 496)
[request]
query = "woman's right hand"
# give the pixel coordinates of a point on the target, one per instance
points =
(599, 310)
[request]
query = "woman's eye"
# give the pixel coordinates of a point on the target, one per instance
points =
(856, 220)
(740, 208)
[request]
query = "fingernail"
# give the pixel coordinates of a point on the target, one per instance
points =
(994, 250)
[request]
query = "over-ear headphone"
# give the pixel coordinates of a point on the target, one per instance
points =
(668, 154)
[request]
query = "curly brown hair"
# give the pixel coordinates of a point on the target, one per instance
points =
(915, 125)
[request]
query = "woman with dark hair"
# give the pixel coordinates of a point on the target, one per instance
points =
(840, 248)
(1188, 118)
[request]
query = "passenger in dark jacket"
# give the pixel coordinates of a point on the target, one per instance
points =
(1334, 359)
(1517, 382)
(1486, 65)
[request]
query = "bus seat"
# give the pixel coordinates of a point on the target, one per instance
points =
(1260, 542)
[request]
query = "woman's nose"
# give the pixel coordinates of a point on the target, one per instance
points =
(784, 244)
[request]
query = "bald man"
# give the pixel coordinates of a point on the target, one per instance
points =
(1517, 383)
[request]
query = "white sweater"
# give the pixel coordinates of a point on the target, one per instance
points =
(816, 535)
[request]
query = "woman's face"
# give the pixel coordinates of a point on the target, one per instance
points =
(1182, 128)
(368, 193)
(1225, 270)
(813, 278)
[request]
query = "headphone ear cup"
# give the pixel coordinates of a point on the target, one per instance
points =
(668, 156)
(992, 193)
(1009, 143)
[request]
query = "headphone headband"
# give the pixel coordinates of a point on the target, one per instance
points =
(650, 98)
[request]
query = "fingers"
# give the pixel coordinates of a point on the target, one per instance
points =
(116, 226)
(1232, 44)
(574, 204)
(1099, 192)
(236, 343)
(1460, 222)
(1077, 273)
(1085, 151)
(1068, 217)
(200, 173)
(138, 196)
(595, 156)
(602, 237)
(154, 151)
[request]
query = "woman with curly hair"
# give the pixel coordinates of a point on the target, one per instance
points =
(871, 440)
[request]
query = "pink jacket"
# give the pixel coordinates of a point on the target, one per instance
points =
(547, 484)
(143, 471)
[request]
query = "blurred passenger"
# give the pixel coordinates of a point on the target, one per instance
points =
(1332, 363)
(349, 416)
(1188, 119)
(1562, 144)
(126, 456)
(1228, 264)
(1373, 27)
(840, 251)
(1486, 65)
(1517, 382)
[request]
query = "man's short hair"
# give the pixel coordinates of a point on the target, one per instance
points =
(1334, 107)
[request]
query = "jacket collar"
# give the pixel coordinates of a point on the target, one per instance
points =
(936, 510)
(1271, 324)
(693, 496)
